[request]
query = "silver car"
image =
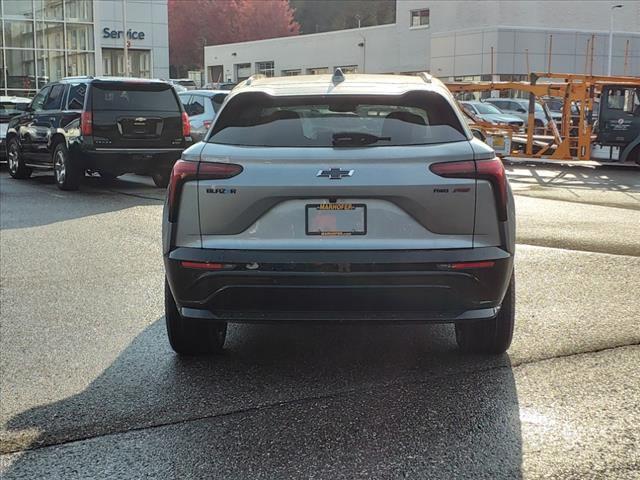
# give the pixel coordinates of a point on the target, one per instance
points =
(201, 107)
(520, 108)
(344, 198)
(489, 113)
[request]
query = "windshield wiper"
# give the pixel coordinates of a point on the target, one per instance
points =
(356, 139)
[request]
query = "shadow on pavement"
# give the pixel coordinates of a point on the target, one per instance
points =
(350, 401)
(576, 178)
(37, 201)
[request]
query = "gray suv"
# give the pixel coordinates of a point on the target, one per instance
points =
(346, 198)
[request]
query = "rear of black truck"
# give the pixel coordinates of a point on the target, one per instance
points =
(133, 126)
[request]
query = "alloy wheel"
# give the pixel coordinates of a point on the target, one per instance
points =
(12, 158)
(59, 167)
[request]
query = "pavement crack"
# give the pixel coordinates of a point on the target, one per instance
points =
(300, 401)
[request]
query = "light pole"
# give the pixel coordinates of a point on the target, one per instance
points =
(613, 7)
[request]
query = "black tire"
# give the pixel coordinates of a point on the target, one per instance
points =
(66, 173)
(161, 179)
(188, 336)
(490, 336)
(15, 162)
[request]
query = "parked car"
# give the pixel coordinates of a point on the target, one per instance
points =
(490, 113)
(201, 107)
(9, 108)
(219, 86)
(109, 125)
(520, 108)
(361, 198)
(187, 83)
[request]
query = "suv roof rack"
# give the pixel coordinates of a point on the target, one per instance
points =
(255, 76)
(426, 77)
(77, 77)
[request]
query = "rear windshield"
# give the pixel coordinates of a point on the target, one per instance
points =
(127, 97)
(416, 118)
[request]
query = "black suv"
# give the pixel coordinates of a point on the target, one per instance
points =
(107, 125)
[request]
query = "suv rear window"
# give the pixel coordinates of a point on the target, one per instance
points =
(129, 96)
(415, 118)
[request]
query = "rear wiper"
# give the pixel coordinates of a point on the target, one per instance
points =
(341, 139)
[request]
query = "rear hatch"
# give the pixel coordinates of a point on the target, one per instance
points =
(129, 114)
(336, 173)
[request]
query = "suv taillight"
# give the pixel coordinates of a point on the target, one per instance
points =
(490, 170)
(86, 123)
(186, 126)
(184, 171)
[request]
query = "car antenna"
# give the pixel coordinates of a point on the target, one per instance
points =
(338, 76)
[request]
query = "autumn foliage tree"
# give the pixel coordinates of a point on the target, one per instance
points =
(196, 23)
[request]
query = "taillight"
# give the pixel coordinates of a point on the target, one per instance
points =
(207, 124)
(86, 123)
(186, 126)
(490, 170)
(184, 171)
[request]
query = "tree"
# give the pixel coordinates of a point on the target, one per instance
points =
(327, 15)
(196, 23)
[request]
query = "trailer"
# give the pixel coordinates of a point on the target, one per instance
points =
(608, 115)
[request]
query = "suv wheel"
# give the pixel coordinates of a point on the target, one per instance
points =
(161, 179)
(17, 168)
(490, 336)
(188, 336)
(66, 173)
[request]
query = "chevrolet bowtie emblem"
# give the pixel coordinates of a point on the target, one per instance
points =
(334, 173)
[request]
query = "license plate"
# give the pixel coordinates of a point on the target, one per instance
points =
(336, 219)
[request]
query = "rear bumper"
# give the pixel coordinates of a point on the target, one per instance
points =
(122, 160)
(374, 286)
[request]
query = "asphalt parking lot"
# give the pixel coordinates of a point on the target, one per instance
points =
(90, 388)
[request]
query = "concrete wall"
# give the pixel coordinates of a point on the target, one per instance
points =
(148, 16)
(384, 49)
(458, 40)
(469, 52)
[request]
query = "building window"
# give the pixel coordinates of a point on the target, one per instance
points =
(242, 71)
(265, 68)
(139, 62)
(420, 18)
(317, 70)
(291, 73)
(349, 68)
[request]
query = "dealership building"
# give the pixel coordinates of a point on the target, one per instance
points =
(453, 40)
(44, 40)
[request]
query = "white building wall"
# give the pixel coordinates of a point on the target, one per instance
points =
(148, 16)
(458, 40)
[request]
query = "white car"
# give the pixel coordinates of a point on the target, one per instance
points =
(9, 107)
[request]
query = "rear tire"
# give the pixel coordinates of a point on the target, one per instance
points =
(66, 173)
(15, 162)
(161, 179)
(490, 336)
(188, 336)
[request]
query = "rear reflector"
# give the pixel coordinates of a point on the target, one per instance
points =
(470, 265)
(206, 265)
